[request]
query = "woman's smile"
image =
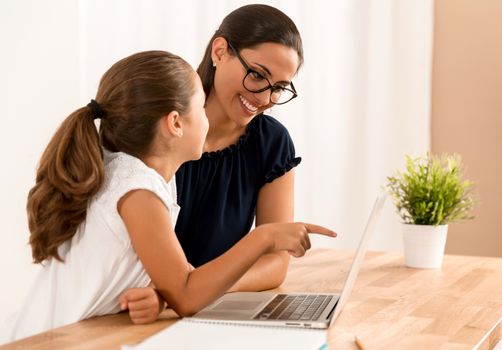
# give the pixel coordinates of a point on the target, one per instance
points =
(247, 106)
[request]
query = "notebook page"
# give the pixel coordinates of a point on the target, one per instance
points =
(190, 335)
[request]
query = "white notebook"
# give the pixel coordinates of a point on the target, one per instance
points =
(195, 335)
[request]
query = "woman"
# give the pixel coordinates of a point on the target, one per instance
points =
(246, 171)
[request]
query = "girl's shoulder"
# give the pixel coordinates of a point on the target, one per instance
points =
(122, 167)
(124, 173)
(121, 163)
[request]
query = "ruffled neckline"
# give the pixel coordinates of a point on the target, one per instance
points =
(234, 147)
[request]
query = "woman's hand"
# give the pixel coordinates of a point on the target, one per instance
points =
(292, 237)
(144, 304)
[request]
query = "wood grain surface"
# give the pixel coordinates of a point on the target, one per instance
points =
(456, 307)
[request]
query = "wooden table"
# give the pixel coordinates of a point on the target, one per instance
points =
(392, 307)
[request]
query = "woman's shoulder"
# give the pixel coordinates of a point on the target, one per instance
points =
(264, 131)
(269, 132)
(268, 125)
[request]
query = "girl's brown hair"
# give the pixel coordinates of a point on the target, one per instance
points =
(247, 27)
(133, 95)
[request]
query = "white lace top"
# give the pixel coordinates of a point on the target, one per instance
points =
(100, 262)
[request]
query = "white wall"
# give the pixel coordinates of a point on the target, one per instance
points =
(364, 98)
(39, 85)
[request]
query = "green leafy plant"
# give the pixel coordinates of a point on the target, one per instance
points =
(431, 191)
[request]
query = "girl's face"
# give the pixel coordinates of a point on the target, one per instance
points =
(195, 124)
(276, 62)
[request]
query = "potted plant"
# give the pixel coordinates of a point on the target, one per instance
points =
(429, 195)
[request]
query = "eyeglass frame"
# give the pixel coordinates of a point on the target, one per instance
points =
(269, 87)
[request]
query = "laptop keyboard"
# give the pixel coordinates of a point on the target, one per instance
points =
(295, 307)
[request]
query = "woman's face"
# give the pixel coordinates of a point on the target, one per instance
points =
(276, 62)
(195, 124)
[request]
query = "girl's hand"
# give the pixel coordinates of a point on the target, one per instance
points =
(144, 304)
(292, 237)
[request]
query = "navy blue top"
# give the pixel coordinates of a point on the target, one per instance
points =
(218, 192)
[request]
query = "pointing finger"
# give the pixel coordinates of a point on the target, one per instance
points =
(311, 228)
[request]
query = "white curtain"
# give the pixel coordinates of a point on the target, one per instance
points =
(364, 97)
(364, 90)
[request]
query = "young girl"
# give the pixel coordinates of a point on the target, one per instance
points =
(247, 170)
(103, 208)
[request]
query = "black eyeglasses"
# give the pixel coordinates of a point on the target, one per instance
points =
(255, 82)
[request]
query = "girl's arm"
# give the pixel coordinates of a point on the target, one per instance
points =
(275, 204)
(188, 291)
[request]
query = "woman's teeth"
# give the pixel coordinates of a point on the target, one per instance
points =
(248, 105)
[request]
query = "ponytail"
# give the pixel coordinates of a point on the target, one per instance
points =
(70, 172)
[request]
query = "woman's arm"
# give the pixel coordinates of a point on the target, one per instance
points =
(275, 204)
(188, 291)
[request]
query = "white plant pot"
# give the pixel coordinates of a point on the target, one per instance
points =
(424, 245)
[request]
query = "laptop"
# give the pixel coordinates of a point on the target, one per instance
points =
(304, 310)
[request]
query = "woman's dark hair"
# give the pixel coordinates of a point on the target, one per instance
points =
(133, 95)
(247, 27)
